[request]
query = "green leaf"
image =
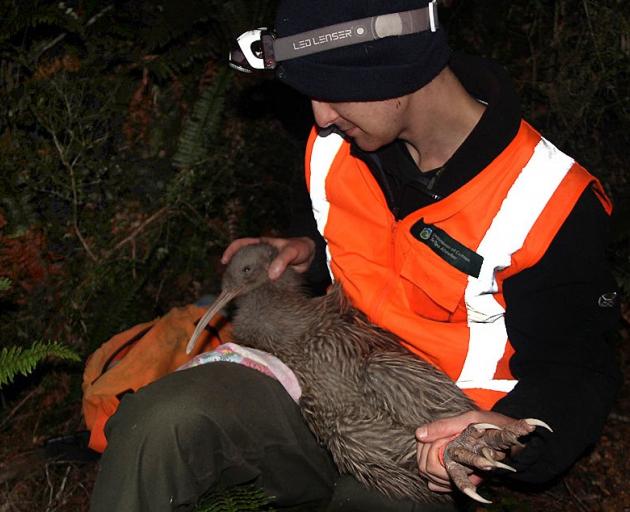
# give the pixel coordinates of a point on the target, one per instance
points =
(16, 360)
(5, 284)
(235, 499)
(203, 124)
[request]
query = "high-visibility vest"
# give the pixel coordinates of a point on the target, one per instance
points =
(435, 277)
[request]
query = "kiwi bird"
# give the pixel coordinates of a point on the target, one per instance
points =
(363, 393)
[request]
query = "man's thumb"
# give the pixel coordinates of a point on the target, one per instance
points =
(439, 429)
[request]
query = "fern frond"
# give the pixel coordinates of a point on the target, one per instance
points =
(184, 56)
(22, 17)
(236, 499)
(16, 360)
(163, 69)
(203, 124)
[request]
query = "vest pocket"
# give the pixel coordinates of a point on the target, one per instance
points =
(434, 289)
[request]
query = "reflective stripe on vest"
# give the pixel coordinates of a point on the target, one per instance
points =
(520, 209)
(523, 204)
(324, 151)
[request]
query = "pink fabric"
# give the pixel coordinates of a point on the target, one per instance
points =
(252, 358)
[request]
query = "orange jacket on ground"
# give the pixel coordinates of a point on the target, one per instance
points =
(137, 357)
(435, 277)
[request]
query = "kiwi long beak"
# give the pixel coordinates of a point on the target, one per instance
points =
(220, 302)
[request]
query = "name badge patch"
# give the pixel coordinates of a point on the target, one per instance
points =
(447, 248)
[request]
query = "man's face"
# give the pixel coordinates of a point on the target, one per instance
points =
(371, 124)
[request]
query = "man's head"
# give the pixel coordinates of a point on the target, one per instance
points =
(387, 68)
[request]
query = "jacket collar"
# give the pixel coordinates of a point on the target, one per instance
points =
(405, 188)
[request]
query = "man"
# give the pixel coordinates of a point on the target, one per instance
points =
(449, 221)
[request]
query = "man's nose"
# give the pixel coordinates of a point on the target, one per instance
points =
(325, 114)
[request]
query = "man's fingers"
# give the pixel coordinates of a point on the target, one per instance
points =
(440, 429)
(295, 252)
(439, 482)
(287, 255)
(439, 488)
(430, 466)
(234, 247)
(448, 427)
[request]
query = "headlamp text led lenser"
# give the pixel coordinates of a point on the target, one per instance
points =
(259, 49)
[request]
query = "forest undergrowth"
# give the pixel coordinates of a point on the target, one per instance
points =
(130, 156)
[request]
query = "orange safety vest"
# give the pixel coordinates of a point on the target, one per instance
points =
(435, 278)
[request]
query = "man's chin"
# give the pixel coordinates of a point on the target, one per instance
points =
(367, 145)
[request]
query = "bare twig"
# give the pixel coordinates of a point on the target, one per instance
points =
(51, 488)
(99, 14)
(159, 291)
(84, 326)
(592, 31)
(134, 272)
(62, 486)
(162, 211)
(17, 407)
(48, 45)
(604, 67)
(73, 184)
(575, 497)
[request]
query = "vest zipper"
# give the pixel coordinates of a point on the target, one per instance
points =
(378, 303)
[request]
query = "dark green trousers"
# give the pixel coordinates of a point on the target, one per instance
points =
(221, 423)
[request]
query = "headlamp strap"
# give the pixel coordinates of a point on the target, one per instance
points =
(355, 32)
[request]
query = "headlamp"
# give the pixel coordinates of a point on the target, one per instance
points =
(259, 49)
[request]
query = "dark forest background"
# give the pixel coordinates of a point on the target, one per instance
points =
(130, 155)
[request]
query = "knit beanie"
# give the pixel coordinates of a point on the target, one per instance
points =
(369, 71)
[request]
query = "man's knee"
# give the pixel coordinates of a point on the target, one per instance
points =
(217, 422)
(221, 398)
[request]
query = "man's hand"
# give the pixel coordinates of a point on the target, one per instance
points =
(295, 252)
(433, 437)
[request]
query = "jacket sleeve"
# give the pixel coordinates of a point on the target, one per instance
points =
(564, 358)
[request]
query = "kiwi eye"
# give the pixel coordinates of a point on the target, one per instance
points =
(246, 269)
